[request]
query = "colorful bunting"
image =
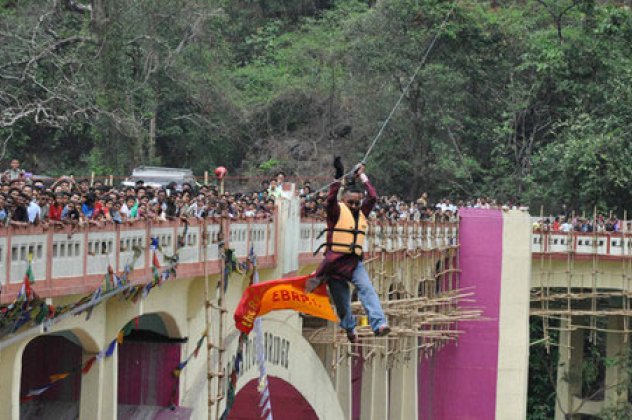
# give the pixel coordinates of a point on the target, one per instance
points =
(232, 382)
(30, 308)
(26, 292)
(35, 392)
(264, 401)
(110, 351)
(86, 368)
(58, 376)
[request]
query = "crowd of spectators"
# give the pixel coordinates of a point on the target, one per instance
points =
(394, 208)
(25, 200)
(570, 223)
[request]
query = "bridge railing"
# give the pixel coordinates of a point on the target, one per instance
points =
(75, 259)
(607, 244)
(389, 236)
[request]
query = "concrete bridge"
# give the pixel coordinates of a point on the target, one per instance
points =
(580, 286)
(491, 255)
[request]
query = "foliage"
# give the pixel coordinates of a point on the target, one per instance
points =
(542, 372)
(525, 100)
(269, 164)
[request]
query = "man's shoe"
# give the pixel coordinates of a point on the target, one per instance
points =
(383, 331)
(352, 336)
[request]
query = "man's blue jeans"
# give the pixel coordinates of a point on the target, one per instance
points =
(341, 296)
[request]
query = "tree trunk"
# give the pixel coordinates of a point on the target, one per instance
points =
(99, 16)
(151, 146)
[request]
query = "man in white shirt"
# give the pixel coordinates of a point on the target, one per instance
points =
(33, 209)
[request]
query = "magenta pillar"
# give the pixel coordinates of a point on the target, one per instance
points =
(459, 381)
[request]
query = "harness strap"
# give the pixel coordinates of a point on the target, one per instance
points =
(352, 247)
(334, 229)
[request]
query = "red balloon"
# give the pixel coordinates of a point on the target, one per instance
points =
(220, 172)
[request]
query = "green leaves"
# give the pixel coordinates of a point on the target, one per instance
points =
(503, 107)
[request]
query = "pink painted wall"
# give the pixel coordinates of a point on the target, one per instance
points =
(48, 355)
(459, 381)
(145, 373)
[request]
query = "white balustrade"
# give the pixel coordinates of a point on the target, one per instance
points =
(67, 255)
(131, 241)
(411, 234)
(612, 244)
(429, 237)
(318, 238)
(101, 252)
(3, 260)
(377, 236)
(399, 236)
(167, 241)
(74, 254)
(23, 246)
(307, 237)
(259, 238)
(190, 246)
(212, 246)
(238, 239)
(402, 235)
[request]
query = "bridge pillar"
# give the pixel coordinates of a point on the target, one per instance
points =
(403, 386)
(375, 389)
(11, 366)
(288, 228)
(109, 366)
(485, 375)
(569, 372)
(616, 349)
(92, 386)
(343, 381)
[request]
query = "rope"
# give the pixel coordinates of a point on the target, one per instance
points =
(401, 96)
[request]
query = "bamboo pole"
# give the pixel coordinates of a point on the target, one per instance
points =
(207, 319)
(222, 294)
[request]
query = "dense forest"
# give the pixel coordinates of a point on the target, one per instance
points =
(525, 100)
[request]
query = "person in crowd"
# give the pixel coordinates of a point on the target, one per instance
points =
(88, 205)
(71, 214)
(14, 172)
(19, 214)
(274, 190)
(56, 208)
(43, 201)
(4, 215)
(32, 208)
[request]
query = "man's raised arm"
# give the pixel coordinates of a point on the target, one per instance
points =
(371, 194)
(332, 206)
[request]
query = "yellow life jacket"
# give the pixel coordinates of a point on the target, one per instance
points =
(349, 233)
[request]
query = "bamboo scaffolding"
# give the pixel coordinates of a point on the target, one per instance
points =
(582, 301)
(419, 292)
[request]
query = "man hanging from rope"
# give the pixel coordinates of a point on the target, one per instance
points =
(346, 231)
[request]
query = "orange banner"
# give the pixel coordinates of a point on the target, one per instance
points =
(261, 298)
